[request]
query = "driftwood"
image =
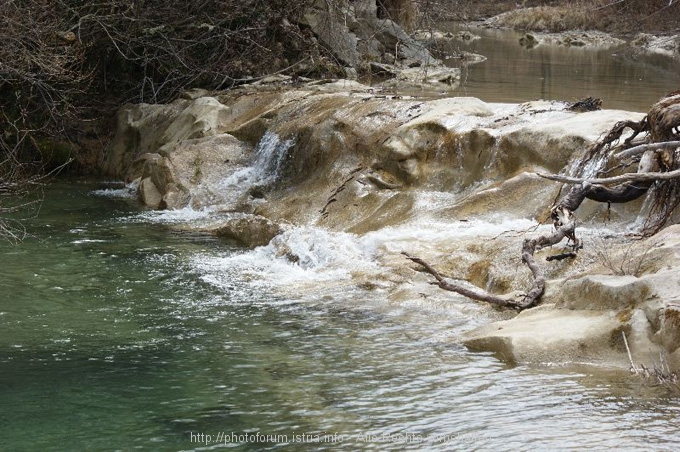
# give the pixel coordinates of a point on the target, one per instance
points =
(629, 177)
(659, 167)
(565, 225)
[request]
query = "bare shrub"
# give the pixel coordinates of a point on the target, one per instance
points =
(622, 256)
(658, 371)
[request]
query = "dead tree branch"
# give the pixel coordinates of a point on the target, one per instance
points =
(630, 177)
(641, 149)
(565, 224)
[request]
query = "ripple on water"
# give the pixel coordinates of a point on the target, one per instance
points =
(280, 339)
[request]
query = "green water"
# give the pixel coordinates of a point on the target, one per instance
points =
(113, 336)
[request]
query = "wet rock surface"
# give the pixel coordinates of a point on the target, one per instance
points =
(450, 179)
(249, 230)
(571, 39)
(663, 45)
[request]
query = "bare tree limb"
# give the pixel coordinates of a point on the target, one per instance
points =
(629, 177)
(641, 149)
(565, 224)
(468, 290)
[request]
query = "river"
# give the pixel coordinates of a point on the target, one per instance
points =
(623, 77)
(120, 332)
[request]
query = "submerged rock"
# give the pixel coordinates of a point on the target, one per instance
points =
(249, 230)
(430, 37)
(441, 78)
(579, 39)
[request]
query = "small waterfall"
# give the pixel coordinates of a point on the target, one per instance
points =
(590, 169)
(269, 155)
(493, 158)
(265, 169)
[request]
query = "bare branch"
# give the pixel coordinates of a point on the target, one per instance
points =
(629, 177)
(641, 149)
(565, 225)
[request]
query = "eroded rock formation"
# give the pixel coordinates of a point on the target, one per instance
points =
(343, 157)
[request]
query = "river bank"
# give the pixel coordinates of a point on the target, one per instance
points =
(649, 26)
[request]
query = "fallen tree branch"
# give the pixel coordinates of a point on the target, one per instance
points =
(469, 291)
(565, 224)
(641, 149)
(630, 177)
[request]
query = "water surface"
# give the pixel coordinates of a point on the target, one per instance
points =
(119, 333)
(623, 77)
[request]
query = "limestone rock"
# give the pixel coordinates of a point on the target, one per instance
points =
(249, 230)
(544, 335)
(354, 33)
(138, 131)
(432, 77)
(335, 35)
(340, 156)
(602, 293)
(663, 45)
(670, 327)
(149, 194)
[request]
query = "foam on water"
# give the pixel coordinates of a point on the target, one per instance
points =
(177, 216)
(417, 234)
(305, 263)
(127, 191)
(293, 258)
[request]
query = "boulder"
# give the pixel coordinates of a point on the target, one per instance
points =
(249, 230)
(195, 171)
(148, 193)
(138, 131)
(602, 293)
(355, 34)
(548, 335)
(335, 34)
(662, 45)
(424, 77)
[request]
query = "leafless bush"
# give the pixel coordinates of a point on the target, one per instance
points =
(659, 371)
(60, 58)
(624, 256)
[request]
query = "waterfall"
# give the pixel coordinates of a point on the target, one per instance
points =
(270, 153)
(265, 169)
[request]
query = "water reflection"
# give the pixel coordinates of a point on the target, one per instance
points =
(623, 77)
